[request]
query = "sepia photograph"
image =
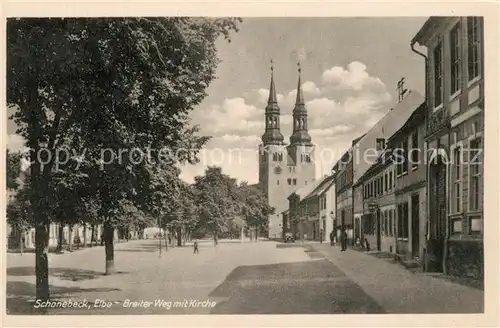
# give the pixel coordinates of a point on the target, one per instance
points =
(199, 165)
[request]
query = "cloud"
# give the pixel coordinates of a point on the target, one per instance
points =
(342, 104)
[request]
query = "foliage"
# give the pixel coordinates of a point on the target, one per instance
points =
(216, 199)
(13, 166)
(19, 211)
(254, 206)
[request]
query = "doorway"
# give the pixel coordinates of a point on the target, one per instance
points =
(415, 225)
(437, 216)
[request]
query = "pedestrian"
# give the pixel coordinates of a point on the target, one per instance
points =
(195, 245)
(343, 238)
(321, 236)
(331, 238)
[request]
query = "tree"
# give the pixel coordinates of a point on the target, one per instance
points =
(216, 200)
(18, 214)
(13, 166)
(254, 206)
(132, 79)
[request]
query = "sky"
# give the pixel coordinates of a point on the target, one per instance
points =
(350, 69)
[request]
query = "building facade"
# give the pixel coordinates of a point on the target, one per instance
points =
(378, 219)
(302, 215)
(344, 218)
(319, 205)
(284, 168)
(410, 186)
(454, 60)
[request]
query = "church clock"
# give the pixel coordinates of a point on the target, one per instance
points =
(278, 170)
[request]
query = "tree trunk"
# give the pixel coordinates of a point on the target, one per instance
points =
(242, 234)
(166, 239)
(109, 232)
(179, 236)
(92, 235)
(70, 237)
(85, 235)
(60, 238)
(41, 259)
(21, 242)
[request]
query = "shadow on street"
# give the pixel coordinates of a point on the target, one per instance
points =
(61, 273)
(317, 287)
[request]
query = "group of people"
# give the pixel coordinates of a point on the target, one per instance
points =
(343, 239)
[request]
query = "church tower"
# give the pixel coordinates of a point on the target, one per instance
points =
(272, 161)
(301, 149)
(284, 169)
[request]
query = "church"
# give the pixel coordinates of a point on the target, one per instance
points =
(284, 168)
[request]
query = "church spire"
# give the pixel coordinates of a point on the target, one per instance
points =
(272, 89)
(300, 134)
(272, 134)
(300, 96)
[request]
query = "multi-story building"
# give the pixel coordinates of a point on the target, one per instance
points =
(300, 214)
(284, 168)
(408, 149)
(378, 228)
(361, 156)
(454, 60)
(343, 191)
(320, 203)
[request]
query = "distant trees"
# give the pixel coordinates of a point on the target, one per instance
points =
(223, 204)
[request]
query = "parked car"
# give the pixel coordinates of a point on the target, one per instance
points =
(289, 237)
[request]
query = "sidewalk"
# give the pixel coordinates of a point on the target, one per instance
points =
(399, 291)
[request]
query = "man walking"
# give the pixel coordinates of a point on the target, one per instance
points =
(331, 238)
(195, 245)
(343, 238)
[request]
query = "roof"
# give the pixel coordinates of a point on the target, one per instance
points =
(381, 161)
(384, 128)
(417, 116)
(306, 190)
(322, 187)
(347, 152)
(429, 28)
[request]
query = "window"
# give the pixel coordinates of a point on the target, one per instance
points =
(390, 180)
(403, 220)
(399, 159)
(455, 59)
(386, 223)
(404, 157)
(275, 157)
(278, 182)
(294, 181)
(380, 143)
(474, 43)
(281, 157)
(390, 223)
(457, 185)
(414, 150)
(476, 225)
(289, 181)
(475, 165)
(438, 75)
(456, 226)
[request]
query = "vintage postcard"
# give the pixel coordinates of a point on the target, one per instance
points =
(173, 163)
